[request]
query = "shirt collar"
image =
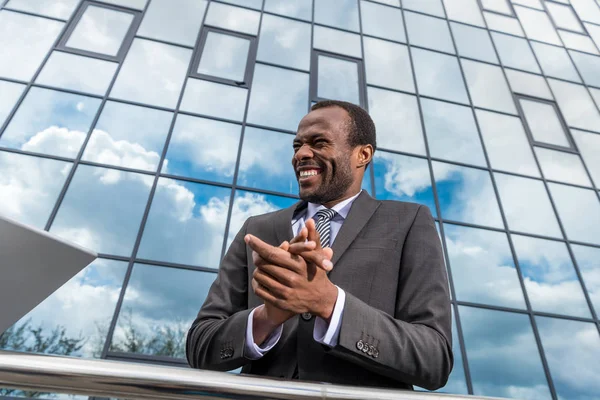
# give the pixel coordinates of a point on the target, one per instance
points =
(342, 208)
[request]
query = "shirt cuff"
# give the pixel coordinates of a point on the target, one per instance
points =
(329, 335)
(254, 351)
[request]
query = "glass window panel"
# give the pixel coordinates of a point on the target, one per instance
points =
(572, 349)
(224, 56)
(233, 18)
(338, 79)
(588, 261)
(529, 84)
(503, 24)
(340, 14)
(291, 8)
(84, 74)
(482, 266)
(51, 122)
(173, 24)
(78, 313)
(452, 133)
(589, 147)
(279, 97)
(396, 117)
(247, 204)
(466, 11)
(503, 356)
(561, 166)
(102, 209)
(555, 61)
(594, 32)
(507, 144)
(515, 52)
(61, 9)
(588, 66)
(550, 279)
(158, 306)
(529, 3)
(544, 123)
(576, 105)
(9, 95)
(285, 42)
(29, 187)
(274, 173)
(256, 4)
(564, 17)
(587, 10)
(129, 136)
(214, 99)
(394, 3)
(537, 25)
(428, 32)
(466, 195)
(579, 42)
(137, 4)
(526, 205)
(152, 73)
(488, 86)
(439, 75)
(336, 41)
(403, 178)
(182, 212)
(580, 222)
(203, 148)
(100, 30)
(382, 21)
(433, 7)
(388, 64)
(595, 95)
(473, 42)
(500, 6)
(25, 41)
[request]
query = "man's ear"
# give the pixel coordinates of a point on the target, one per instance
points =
(365, 155)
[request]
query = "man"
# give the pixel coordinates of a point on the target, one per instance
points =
(380, 317)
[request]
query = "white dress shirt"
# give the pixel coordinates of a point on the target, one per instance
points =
(327, 334)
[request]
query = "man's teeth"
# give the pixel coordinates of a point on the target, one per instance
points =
(308, 173)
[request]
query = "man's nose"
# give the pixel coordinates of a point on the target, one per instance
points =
(303, 152)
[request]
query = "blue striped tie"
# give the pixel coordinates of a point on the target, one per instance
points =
(322, 220)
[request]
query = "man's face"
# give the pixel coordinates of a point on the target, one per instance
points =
(323, 160)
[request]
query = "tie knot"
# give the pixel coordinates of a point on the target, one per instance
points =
(324, 215)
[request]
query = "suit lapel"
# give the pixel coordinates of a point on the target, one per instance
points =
(283, 225)
(361, 211)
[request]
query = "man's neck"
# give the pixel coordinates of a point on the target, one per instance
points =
(332, 203)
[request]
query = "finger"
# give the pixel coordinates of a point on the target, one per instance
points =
(282, 275)
(270, 254)
(285, 245)
(301, 237)
(267, 282)
(297, 248)
(312, 232)
(268, 297)
(321, 258)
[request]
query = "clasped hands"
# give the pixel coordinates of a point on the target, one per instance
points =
(291, 279)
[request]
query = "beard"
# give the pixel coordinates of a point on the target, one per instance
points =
(334, 184)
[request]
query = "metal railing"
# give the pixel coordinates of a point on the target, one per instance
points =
(117, 379)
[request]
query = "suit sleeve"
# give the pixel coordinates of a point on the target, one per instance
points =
(216, 339)
(413, 346)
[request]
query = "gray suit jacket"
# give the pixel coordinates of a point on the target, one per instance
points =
(396, 326)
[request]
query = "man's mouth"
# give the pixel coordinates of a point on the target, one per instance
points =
(307, 174)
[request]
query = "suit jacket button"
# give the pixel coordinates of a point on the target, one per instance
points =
(375, 352)
(371, 351)
(366, 348)
(360, 344)
(306, 316)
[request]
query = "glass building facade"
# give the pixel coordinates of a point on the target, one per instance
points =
(149, 130)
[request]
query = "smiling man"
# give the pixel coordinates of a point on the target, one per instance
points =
(339, 288)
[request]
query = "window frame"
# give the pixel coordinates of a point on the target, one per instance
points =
(583, 30)
(508, 3)
(314, 76)
(78, 14)
(250, 61)
(565, 127)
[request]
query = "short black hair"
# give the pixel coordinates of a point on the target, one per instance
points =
(361, 127)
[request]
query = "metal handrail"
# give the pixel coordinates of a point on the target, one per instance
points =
(142, 381)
